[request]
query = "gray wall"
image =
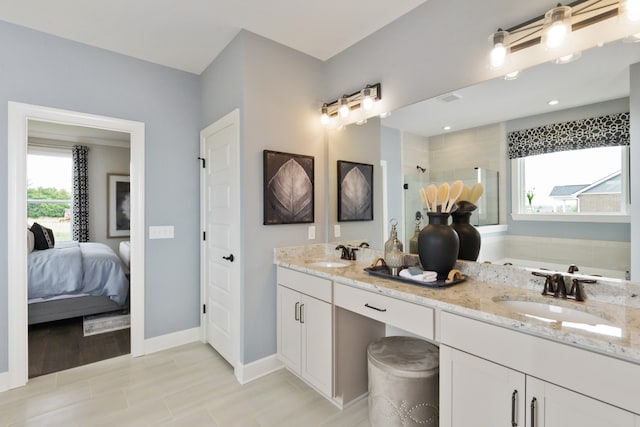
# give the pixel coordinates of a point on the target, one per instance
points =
(102, 161)
(281, 91)
(360, 144)
(392, 152)
(438, 47)
(44, 70)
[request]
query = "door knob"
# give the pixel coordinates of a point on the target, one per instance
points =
(228, 258)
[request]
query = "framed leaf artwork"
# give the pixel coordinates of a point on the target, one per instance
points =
(288, 188)
(355, 191)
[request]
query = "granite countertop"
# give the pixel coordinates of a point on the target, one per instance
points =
(616, 301)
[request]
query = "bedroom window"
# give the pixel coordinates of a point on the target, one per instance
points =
(49, 189)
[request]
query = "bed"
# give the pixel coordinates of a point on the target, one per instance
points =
(75, 279)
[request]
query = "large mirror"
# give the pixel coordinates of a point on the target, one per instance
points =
(411, 145)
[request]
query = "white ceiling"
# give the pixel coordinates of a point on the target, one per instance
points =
(601, 74)
(189, 34)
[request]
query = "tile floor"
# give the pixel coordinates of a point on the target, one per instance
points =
(189, 385)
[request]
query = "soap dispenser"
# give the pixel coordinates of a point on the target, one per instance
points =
(393, 255)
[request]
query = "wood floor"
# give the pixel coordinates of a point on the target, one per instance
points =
(60, 345)
(189, 385)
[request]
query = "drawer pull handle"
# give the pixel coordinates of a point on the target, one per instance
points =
(514, 398)
(375, 308)
(533, 412)
(301, 313)
(297, 317)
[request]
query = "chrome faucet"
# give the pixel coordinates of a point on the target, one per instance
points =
(572, 269)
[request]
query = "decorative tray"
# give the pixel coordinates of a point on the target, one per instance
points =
(382, 271)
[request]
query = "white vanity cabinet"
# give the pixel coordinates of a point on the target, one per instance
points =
(490, 376)
(558, 407)
(476, 392)
(304, 318)
(484, 393)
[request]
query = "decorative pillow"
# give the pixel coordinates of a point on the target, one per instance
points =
(31, 242)
(43, 237)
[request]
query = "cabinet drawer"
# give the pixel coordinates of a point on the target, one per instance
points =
(308, 284)
(411, 317)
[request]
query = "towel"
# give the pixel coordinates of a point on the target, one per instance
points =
(426, 276)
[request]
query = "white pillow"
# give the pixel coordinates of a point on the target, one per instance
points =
(31, 241)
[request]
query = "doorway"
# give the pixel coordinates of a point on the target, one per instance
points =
(19, 115)
(68, 171)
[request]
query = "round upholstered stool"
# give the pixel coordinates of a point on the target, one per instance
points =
(403, 382)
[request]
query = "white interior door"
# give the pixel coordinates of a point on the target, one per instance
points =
(220, 254)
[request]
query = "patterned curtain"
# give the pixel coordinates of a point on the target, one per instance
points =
(80, 226)
(604, 131)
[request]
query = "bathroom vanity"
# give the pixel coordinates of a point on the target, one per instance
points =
(498, 366)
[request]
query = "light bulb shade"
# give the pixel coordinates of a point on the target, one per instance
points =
(367, 101)
(324, 118)
(344, 108)
(556, 27)
(631, 9)
(499, 48)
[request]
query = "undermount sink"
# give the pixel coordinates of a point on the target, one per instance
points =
(328, 264)
(551, 312)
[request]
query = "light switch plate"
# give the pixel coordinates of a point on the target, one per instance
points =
(336, 230)
(161, 232)
(312, 232)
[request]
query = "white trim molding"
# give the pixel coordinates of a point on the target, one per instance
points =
(174, 339)
(18, 119)
(259, 368)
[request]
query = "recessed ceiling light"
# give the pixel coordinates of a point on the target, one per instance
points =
(553, 102)
(565, 59)
(446, 128)
(512, 75)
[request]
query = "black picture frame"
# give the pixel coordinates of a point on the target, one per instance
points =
(289, 190)
(355, 191)
(118, 205)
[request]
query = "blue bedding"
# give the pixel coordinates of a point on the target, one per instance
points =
(77, 268)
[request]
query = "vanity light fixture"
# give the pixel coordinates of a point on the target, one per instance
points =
(363, 99)
(554, 27)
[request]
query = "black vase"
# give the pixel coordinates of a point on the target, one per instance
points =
(467, 234)
(438, 245)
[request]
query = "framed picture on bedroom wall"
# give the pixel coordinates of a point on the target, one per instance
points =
(118, 205)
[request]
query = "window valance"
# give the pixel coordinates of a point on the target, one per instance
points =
(603, 131)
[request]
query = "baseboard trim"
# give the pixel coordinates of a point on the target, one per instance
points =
(4, 381)
(259, 368)
(174, 339)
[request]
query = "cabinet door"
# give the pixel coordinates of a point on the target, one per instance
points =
(289, 328)
(476, 392)
(315, 317)
(558, 407)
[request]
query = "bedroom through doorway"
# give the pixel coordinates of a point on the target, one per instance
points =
(78, 214)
